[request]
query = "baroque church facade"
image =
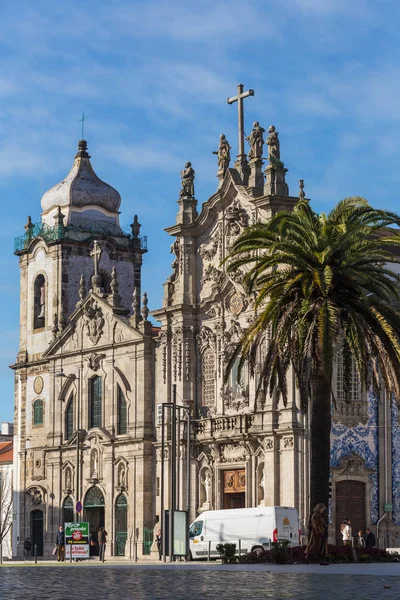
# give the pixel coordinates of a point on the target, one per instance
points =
(93, 372)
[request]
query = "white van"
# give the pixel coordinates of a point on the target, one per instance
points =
(249, 528)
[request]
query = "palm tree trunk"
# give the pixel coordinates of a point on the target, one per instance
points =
(320, 432)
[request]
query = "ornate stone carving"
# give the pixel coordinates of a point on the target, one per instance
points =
(212, 274)
(205, 338)
(288, 442)
(207, 252)
(163, 340)
(352, 465)
(236, 402)
(36, 496)
(233, 453)
(235, 304)
(94, 361)
(269, 443)
(94, 321)
(236, 219)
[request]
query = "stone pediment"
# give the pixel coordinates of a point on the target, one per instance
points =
(93, 325)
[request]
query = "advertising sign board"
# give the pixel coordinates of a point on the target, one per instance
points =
(77, 540)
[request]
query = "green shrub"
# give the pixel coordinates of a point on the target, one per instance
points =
(227, 552)
(281, 552)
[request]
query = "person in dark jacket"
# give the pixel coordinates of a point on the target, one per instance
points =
(27, 548)
(60, 543)
(370, 539)
(159, 543)
(102, 539)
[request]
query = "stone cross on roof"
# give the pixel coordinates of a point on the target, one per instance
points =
(96, 255)
(241, 158)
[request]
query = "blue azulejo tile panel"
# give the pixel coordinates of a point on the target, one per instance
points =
(396, 463)
(363, 441)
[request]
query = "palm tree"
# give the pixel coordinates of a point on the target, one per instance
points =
(322, 283)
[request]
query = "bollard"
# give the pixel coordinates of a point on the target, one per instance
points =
(209, 551)
(70, 553)
(240, 548)
(35, 551)
(135, 550)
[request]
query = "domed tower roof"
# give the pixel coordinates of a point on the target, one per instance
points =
(81, 191)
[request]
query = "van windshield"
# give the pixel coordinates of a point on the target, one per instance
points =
(196, 529)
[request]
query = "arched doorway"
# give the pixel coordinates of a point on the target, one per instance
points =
(121, 524)
(93, 513)
(350, 504)
(37, 531)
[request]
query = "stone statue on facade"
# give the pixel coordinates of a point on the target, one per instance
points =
(274, 152)
(206, 483)
(187, 177)
(224, 154)
(256, 141)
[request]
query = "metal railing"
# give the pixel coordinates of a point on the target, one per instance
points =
(78, 233)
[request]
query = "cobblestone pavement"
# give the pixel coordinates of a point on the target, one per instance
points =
(136, 583)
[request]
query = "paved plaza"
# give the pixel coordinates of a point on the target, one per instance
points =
(199, 582)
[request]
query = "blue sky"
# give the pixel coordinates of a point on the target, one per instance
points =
(153, 78)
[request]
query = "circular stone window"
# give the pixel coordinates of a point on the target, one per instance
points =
(235, 304)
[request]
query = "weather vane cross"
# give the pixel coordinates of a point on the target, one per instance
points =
(83, 124)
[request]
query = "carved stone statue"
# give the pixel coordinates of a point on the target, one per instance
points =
(187, 176)
(274, 152)
(206, 483)
(256, 141)
(224, 154)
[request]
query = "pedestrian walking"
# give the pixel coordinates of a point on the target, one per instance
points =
(102, 540)
(159, 543)
(317, 535)
(360, 540)
(27, 548)
(370, 539)
(60, 543)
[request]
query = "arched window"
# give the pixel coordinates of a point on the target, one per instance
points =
(39, 302)
(95, 401)
(38, 412)
(209, 378)
(69, 418)
(68, 510)
(121, 425)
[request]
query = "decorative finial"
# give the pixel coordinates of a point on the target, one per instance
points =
(62, 322)
(96, 278)
(59, 218)
(135, 227)
(114, 281)
(82, 289)
(187, 177)
(55, 329)
(224, 156)
(145, 310)
(301, 192)
(82, 150)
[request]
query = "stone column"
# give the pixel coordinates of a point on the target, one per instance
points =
(256, 178)
(275, 183)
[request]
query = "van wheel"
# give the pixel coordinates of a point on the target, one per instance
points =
(257, 550)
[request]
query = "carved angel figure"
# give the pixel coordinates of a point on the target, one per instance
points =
(223, 153)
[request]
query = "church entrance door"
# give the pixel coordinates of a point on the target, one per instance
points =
(37, 531)
(234, 486)
(93, 513)
(350, 504)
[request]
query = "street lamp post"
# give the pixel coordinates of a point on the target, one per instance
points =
(78, 437)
